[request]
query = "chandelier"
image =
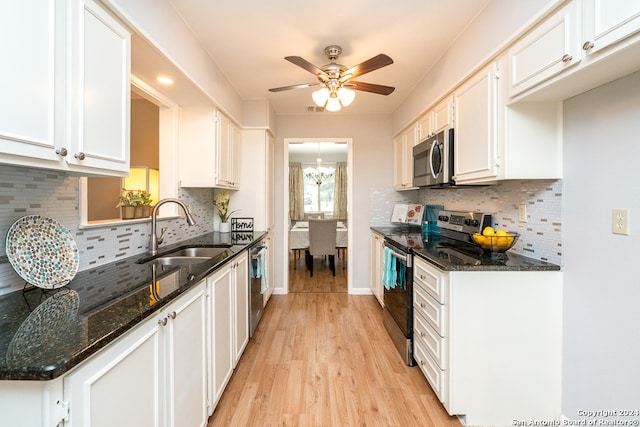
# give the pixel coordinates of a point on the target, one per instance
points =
(319, 175)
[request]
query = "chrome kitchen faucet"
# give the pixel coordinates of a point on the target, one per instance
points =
(155, 240)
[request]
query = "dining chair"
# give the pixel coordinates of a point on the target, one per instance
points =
(322, 241)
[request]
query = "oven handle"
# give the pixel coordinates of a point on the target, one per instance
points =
(397, 255)
(402, 257)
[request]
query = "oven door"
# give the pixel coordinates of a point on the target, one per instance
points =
(397, 278)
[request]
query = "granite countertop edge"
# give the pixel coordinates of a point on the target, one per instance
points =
(513, 261)
(52, 372)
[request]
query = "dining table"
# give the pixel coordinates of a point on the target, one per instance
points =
(299, 236)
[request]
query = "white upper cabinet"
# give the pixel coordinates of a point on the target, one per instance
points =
(582, 45)
(607, 22)
(476, 136)
(229, 148)
(100, 93)
(65, 102)
(210, 147)
(546, 51)
(31, 86)
(435, 120)
(403, 159)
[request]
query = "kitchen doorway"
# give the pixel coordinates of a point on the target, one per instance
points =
(317, 184)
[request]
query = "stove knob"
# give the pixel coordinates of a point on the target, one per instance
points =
(443, 218)
(467, 222)
(475, 223)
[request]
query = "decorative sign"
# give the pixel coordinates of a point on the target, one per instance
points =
(240, 237)
(241, 224)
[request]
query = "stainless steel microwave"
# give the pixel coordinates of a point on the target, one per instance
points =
(433, 160)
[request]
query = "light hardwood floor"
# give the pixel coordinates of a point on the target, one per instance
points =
(324, 359)
(322, 280)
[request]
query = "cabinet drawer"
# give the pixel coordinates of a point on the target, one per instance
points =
(430, 309)
(435, 376)
(430, 340)
(432, 280)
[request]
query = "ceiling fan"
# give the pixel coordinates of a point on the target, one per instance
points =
(335, 79)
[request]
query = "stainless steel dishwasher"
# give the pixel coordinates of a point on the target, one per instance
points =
(258, 284)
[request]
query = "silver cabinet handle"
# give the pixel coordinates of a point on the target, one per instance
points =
(79, 156)
(422, 276)
(422, 305)
(162, 322)
(422, 334)
(567, 58)
(172, 315)
(62, 152)
(587, 45)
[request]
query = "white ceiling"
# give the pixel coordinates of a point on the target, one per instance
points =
(248, 39)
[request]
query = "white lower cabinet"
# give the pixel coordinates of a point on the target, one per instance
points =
(228, 323)
(377, 250)
(153, 376)
(489, 342)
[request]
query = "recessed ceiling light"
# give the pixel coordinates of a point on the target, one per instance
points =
(165, 80)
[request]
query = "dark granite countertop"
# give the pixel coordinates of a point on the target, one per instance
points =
(449, 258)
(46, 333)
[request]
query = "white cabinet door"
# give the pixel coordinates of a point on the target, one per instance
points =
(403, 159)
(123, 382)
(220, 333)
(241, 305)
(377, 247)
(235, 150)
(475, 103)
(545, 52)
(442, 115)
(224, 151)
(100, 93)
(198, 164)
(186, 360)
(608, 22)
(424, 126)
(30, 86)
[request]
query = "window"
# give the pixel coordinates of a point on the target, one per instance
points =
(318, 188)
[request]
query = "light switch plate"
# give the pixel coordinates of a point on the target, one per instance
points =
(522, 213)
(620, 222)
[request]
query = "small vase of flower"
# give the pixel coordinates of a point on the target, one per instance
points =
(221, 203)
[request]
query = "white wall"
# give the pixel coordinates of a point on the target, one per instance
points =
(372, 167)
(601, 288)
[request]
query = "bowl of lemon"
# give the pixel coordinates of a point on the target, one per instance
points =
(495, 241)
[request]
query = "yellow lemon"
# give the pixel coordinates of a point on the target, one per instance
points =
(488, 231)
(501, 232)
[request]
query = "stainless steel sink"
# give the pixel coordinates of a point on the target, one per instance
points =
(187, 256)
(179, 260)
(197, 252)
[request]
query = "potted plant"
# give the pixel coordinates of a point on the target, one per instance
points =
(134, 204)
(221, 203)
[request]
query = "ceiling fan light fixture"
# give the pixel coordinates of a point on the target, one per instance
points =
(346, 96)
(333, 104)
(320, 96)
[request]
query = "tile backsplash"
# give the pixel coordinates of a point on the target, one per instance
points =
(25, 191)
(540, 236)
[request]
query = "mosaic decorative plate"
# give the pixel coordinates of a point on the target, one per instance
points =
(42, 251)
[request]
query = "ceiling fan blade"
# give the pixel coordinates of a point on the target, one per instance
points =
(303, 63)
(370, 87)
(300, 86)
(367, 66)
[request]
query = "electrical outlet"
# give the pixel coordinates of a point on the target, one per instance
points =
(522, 213)
(620, 222)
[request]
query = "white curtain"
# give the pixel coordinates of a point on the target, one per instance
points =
(296, 191)
(340, 191)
